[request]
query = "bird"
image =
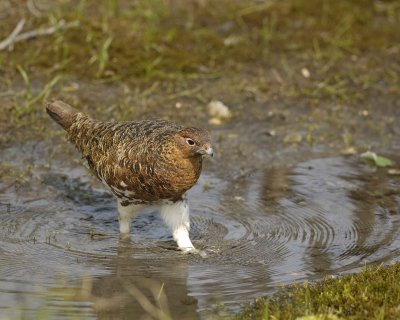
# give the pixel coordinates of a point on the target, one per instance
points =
(143, 163)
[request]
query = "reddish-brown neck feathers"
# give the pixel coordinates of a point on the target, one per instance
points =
(189, 141)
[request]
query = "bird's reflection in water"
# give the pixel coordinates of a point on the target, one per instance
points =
(140, 289)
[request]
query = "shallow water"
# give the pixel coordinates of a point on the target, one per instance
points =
(61, 255)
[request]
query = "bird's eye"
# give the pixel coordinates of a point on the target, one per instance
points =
(190, 142)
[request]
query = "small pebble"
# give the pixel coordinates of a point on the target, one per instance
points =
(215, 121)
(348, 151)
(217, 109)
(306, 74)
(394, 172)
(271, 133)
(293, 138)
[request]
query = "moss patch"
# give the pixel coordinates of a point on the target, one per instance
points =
(374, 293)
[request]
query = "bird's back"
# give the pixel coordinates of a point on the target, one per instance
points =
(136, 140)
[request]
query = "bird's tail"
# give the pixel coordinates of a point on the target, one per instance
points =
(62, 113)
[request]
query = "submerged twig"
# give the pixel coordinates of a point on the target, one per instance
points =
(16, 37)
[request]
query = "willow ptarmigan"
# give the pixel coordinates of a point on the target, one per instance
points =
(149, 162)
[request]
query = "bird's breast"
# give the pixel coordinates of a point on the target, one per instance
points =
(182, 174)
(154, 181)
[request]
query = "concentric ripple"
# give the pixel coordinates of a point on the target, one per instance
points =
(267, 227)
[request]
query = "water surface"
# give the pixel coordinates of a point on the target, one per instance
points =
(61, 254)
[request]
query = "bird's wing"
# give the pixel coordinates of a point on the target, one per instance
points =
(124, 155)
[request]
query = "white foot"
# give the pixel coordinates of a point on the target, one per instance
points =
(176, 216)
(125, 216)
(181, 236)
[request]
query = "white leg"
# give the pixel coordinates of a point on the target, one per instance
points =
(125, 215)
(176, 216)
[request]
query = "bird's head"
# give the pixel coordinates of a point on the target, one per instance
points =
(194, 142)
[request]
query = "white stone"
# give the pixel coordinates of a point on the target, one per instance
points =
(217, 109)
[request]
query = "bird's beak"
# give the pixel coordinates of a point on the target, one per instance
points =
(210, 151)
(206, 151)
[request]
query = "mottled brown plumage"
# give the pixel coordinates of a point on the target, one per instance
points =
(141, 162)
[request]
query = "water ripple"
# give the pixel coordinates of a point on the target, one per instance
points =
(260, 229)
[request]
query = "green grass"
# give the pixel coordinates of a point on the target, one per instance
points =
(374, 293)
(162, 52)
(157, 40)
